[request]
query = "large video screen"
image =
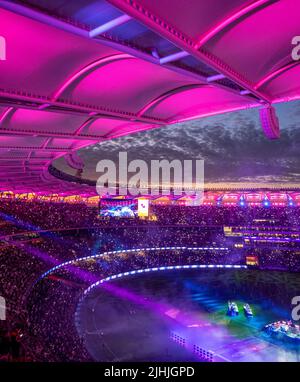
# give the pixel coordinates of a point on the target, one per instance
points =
(123, 208)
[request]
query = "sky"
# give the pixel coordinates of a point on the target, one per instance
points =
(232, 145)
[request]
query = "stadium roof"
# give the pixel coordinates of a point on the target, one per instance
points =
(76, 73)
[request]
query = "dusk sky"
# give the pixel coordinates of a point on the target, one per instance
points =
(232, 145)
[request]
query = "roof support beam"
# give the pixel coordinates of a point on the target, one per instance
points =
(24, 148)
(173, 57)
(6, 115)
(87, 69)
(33, 102)
(168, 94)
(38, 161)
(245, 92)
(46, 141)
(9, 166)
(183, 118)
(21, 176)
(85, 124)
(270, 76)
(27, 133)
(217, 77)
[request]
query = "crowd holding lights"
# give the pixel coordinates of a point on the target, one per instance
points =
(152, 249)
(45, 238)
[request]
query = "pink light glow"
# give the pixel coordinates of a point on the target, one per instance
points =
(108, 88)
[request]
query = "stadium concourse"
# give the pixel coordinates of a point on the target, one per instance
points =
(51, 252)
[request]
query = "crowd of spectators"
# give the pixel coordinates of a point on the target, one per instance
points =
(35, 236)
(21, 215)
